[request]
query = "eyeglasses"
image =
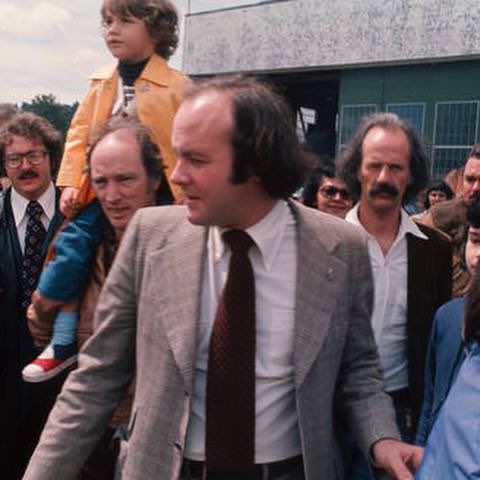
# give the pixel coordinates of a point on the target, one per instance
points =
(34, 157)
(330, 192)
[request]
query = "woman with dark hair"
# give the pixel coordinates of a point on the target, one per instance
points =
(437, 191)
(452, 449)
(327, 193)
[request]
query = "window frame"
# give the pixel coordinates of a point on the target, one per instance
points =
(403, 104)
(444, 147)
(341, 145)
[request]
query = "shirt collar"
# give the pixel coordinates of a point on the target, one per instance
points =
(407, 225)
(267, 234)
(20, 203)
(156, 71)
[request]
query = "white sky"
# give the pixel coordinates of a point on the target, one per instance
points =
(51, 46)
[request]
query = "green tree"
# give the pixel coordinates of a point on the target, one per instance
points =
(46, 105)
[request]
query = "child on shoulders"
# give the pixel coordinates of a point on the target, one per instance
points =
(141, 35)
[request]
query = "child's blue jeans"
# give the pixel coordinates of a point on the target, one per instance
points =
(64, 279)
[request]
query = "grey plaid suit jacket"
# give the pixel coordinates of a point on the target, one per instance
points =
(148, 315)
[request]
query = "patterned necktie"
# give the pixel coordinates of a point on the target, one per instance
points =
(230, 425)
(32, 258)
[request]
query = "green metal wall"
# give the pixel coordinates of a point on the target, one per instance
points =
(427, 83)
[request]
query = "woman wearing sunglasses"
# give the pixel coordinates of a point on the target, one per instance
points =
(326, 192)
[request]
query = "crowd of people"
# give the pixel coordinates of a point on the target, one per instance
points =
(169, 311)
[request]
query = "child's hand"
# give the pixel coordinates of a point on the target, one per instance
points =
(68, 202)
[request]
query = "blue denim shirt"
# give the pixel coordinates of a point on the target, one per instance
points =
(444, 356)
(453, 447)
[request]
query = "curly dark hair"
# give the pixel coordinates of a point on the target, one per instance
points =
(473, 220)
(36, 129)
(264, 140)
(349, 161)
(160, 17)
(7, 111)
(473, 214)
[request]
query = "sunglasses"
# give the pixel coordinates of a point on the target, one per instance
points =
(330, 192)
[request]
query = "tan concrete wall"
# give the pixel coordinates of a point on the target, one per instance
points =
(303, 34)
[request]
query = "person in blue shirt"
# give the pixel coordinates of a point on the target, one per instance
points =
(453, 449)
(445, 351)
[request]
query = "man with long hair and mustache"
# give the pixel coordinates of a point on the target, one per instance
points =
(384, 166)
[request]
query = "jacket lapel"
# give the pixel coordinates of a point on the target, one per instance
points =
(418, 275)
(319, 279)
(55, 223)
(11, 232)
(157, 71)
(179, 267)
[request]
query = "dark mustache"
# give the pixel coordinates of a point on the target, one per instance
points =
(27, 174)
(476, 196)
(386, 188)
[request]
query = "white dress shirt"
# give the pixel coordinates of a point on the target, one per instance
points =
(274, 262)
(19, 208)
(389, 317)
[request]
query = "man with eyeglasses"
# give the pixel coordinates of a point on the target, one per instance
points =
(29, 149)
(385, 166)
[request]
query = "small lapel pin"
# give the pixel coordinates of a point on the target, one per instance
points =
(144, 87)
(330, 274)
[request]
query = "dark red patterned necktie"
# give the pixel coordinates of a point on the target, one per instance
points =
(32, 257)
(230, 429)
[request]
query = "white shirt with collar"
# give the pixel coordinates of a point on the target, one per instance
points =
(389, 317)
(274, 262)
(19, 208)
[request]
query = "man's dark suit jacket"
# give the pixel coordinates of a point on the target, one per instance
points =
(429, 286)
(17, 349)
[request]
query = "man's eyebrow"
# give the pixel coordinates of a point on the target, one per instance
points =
(126, 174)
(96, 178)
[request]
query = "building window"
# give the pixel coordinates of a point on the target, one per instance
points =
(350, 118)
(306, 118)
(455, 132)
(413, 113)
